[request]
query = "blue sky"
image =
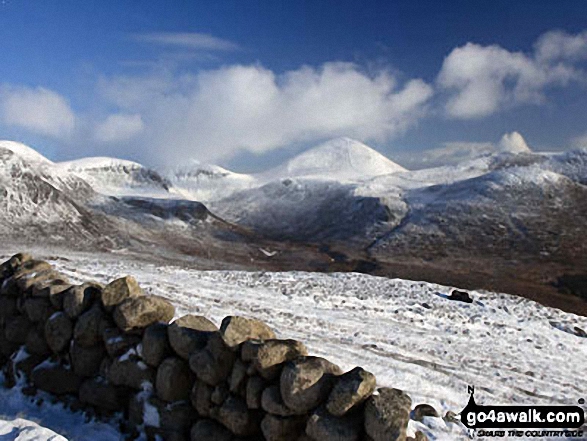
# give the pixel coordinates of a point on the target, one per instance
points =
(249, 83)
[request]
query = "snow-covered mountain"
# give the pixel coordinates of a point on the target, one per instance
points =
(117, 177)
(36, 195)
(340, 159)
(502, 211)
(206, 182)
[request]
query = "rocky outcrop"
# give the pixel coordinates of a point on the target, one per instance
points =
(113, 349)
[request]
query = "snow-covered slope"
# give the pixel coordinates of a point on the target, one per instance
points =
(341, 159)
(117, 177)
(407, 333)
(36, 192)
(205, 182)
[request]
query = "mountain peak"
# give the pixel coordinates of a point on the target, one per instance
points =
(340, 158)
(513, 143)
(24, 152)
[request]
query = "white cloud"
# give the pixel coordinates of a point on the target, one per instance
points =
(119, 127)
(580, 142)
(458, 151)
(213, 114)
(481, 80)
(187, 40)
(38, 110)
(558, 45)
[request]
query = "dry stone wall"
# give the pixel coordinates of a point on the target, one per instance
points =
(112, 351)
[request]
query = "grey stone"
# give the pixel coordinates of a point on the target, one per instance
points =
(277, 428)
(78, 299)
(306, 382)
(50, 288)
(36, 343)
(17, 329)
(117, 342)
(38, 309)
(424, 410)
(58, 332)
(119, 290)
(103, 395)
(326, 427)
(272, 402)
(213, 364)
(174, 380)
(190, 333)
(90, 326)
(349, 390)
(254, 391)
(155, 344)
(239, 329)
(56, 379)
(268, 356)
(86, 361)
(219, 394)
(387, 414)
(237, 418)
(130, 372)
(201, 398)
(238, 378)
(208, 430)
(140, 312)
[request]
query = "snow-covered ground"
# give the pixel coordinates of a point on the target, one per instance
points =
(407, 333)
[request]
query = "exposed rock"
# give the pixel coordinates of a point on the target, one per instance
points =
(26, 282)
(78, 299)
(90, 326)
(50, 288)
(268, 356)
(276, 428)
(219, 394)
(21, 363)
(7, 309)
(349, 390)
(254, 391)
(237, 418)
(86, 361)
(140, 312)
(201, 398)
(190, 333)
(10, 286)
(239, 329)
(460, 296)
(100, 394)
(174, 420)
(36, 343)
(174, 380)
(451, 417)
(155, 344)
(58, 332)
(325, 427)
(17, 329)
(387, 414)
(306, 382)
(208, 430)
(131, 372)
(214, 363)
(117, 342)
(272, 402)
(8, 268)
(56, 379)
(6, 348)
(119, 290)
(238, 378)
(38, 309)
(423, 410)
